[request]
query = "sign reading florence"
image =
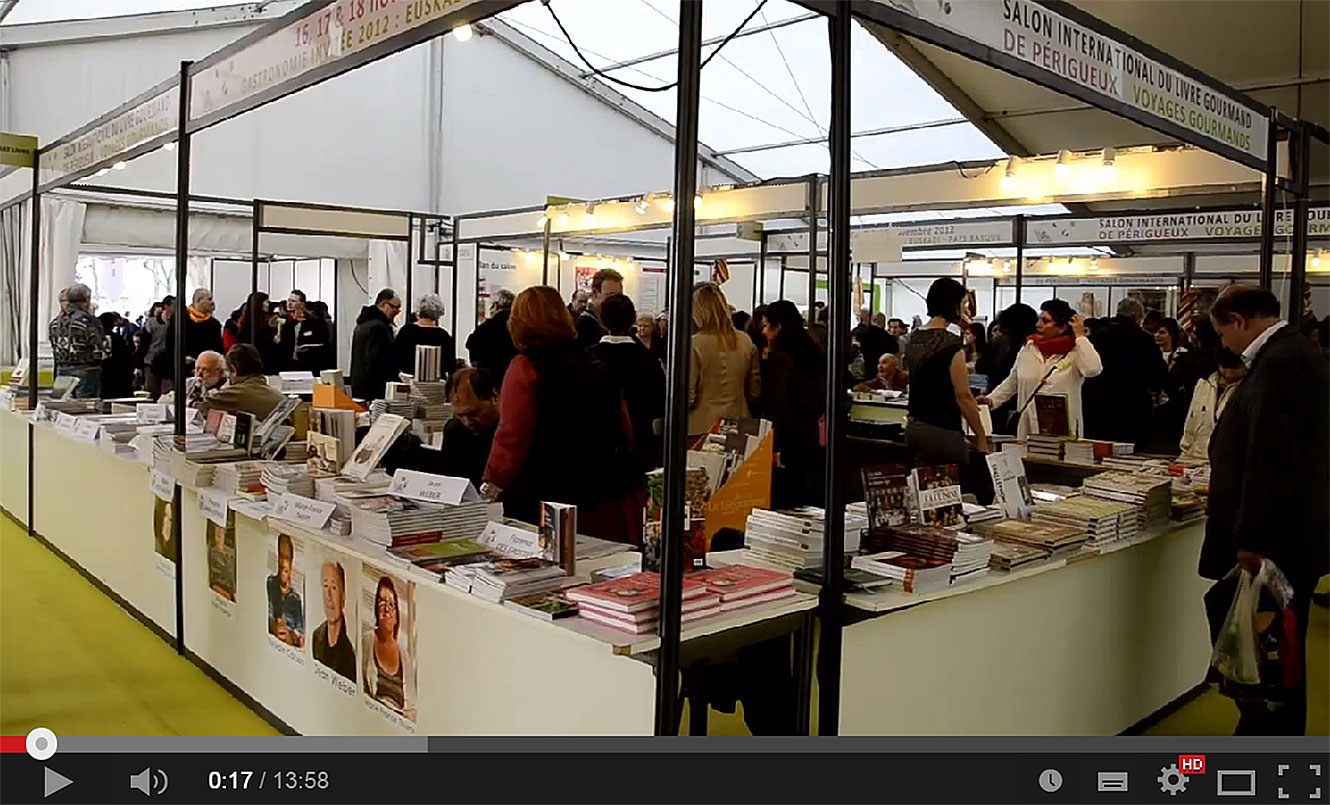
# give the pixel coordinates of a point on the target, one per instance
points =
(1076, 53)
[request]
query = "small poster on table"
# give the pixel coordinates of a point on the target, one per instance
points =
(286, 605)
(221, 547)
(388, 645)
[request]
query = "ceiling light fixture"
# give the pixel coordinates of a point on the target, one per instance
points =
(1062, 167)
(641, 206)
(591, 213)
(120, 165)
(168, 147)
(1109, 171)
(462, 33)
(1009, 176)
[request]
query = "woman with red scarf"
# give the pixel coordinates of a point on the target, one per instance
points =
(1055, 360)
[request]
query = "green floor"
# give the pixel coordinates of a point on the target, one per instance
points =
(73, 661)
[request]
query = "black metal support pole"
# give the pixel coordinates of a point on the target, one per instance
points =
(181, 316)
(781, 289)
(1188, 275)
(34, 290)
(257, 218)
(1019, 236)
(411, 269)
(545, 254)
(1300, 162)
(680, 280)
(995, 298)
(831, 603)
(814, 209)
(761, 272)
(1268, 201)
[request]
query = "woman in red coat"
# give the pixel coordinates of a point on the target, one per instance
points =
(564, 432)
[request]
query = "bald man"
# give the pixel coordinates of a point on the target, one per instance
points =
(209, 375)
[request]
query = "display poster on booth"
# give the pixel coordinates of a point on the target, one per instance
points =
(221, 550)
(285, 586)
(333, 642)
(163, 529)
(388, 645)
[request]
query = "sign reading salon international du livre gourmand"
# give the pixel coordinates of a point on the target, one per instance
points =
(1059, 46)
(1201, 226)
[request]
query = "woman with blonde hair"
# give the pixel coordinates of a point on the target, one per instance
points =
(726, 374)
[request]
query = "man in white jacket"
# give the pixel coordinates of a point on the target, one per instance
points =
(1055, 360)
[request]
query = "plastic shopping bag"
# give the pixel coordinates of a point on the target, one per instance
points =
(1252, 636)
(1234, 654)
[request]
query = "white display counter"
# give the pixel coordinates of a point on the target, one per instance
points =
(95, 508)
(1088, 647)
(480, 668)
(14, 467)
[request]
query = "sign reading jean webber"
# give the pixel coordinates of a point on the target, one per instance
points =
(1100, 68)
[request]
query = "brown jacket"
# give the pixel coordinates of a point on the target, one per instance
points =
(724, 381)
(250, 394)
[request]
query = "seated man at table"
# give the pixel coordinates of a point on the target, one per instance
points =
(467, 437)
(209, 375)
(248, 388)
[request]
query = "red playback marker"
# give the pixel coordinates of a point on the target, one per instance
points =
(13, 743)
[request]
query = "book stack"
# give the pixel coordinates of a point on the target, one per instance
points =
(856, 580)
(1011, 555)
(1153, 494)
(1051, 540)
(393, 521)
(791, 540)
(1086, 451)
(428, 363)
(1127, 463)
(1104, 521)
(1187, 507)
(191, 473)
(914, 574)
(505, 578)
(741, 586)
(968, 554)
(432, 410)
(550, 606)
(974, 513)
(332, 377)
(465, 520)
(437, 557)
(329, 441)
(632, 603)
(331, 488)
(726, 448)
(401, 407)
(1038, 445)
(234, 476)
(281, 478)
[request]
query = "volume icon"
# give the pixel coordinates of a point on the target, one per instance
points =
(150, 781)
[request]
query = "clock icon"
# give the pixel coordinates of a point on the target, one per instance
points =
(1050, 780)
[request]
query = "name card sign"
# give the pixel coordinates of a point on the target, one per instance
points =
(162, 485)
(151, 413)
(431, 488)
(302, 511)
(214, 504)
(86, 430)
(65, 423)
(508, 540)
(938, 497)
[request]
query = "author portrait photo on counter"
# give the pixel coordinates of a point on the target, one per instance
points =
(286, 609)
(389, 638)
(333, 645)
(163, 519)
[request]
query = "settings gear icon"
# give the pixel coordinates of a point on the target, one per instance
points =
(1171, 780)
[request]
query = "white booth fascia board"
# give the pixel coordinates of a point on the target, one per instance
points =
(320, 220)
(1144, 173)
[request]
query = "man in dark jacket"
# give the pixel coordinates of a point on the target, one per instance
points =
(637, 373)
(491, 345)
(1118, 402)
(467, 438)
(1269, 471)
(373, 364)
(604, 283)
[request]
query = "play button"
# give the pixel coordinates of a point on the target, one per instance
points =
(55, 781)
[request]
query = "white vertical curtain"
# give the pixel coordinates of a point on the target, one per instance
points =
(12, 290)
(61, 237)
(387, 269)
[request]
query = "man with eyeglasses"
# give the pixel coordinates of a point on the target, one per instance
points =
(372, 362)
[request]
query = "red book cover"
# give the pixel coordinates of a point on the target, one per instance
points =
(740, 581)
(614, 623)
(630, 593)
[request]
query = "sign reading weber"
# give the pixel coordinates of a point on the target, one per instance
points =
(1101, 69)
